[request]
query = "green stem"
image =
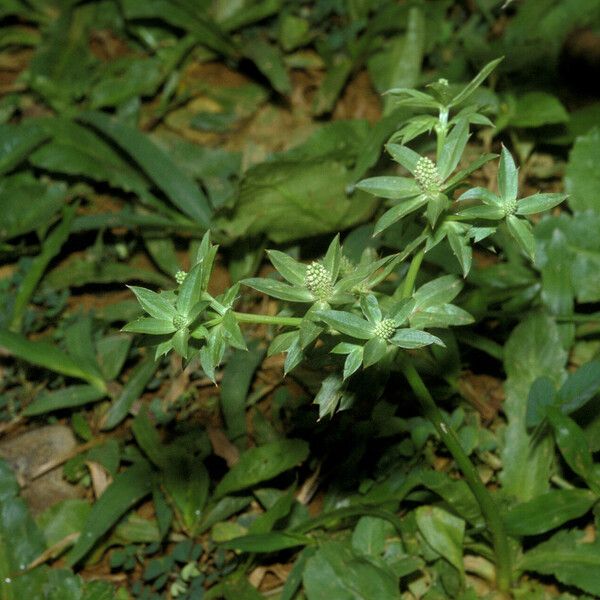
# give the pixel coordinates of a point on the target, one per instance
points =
(267, 319)
(411, 275)
(488, 507)
(259, 320)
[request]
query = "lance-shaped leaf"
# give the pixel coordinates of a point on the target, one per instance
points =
(404, 155)
(279, 290)
(290, 269)
(539, 202)
(150, 326)
(394, 188)
(190, 290)
(414, 338)
(397, 212)
(154, 304)
(475, 82)
(347, 323)
(508, 177)
(453, 149)
(521, 231)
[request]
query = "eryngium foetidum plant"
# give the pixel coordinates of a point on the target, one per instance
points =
(370, 313)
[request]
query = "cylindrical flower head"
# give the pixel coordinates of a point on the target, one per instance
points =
(318, 280)
(427, 175)
(385, 329)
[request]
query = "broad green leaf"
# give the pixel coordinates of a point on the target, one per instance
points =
(273, 541)
(127, 489)
(148, 439)
(335, 571)
(508, 177)
(548, 511)
(413, 338)
(347, 323)
(329, 90)
(17, 142)
(475, 82)
(261, 464)
(574, 447)
(186, 481)
(582, 178)
(404, 155)
(541, 395)
(279, 290)
(535, 109)
(63, 518)
(20, 540)
(290, 269)
(569, 557)
(269, 61)
(19, 214)
(539, 203)
(48, 356)
(521, 231)
(67, 397)
(394, 188)
(112, 353)
(369, 536)
(580, 387)
(533, 350)
(76, 151)
(443, 532)
(289, 199)
(397, 212)
(158, 166)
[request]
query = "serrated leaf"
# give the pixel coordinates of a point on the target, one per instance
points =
(261, 464)
(568, 557)
(177, 186)
(548, 511)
